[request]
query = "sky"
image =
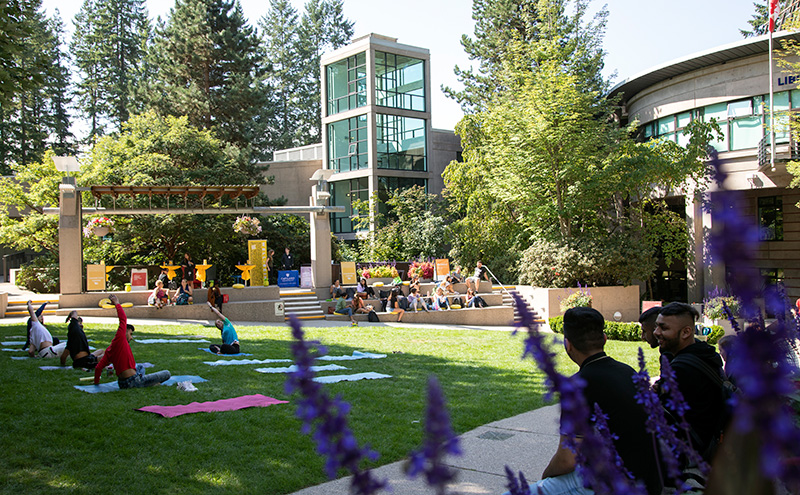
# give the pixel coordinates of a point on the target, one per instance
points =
(640, 34)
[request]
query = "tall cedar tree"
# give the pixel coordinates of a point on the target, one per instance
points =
(34, 115)
(292, 57)
(206, 60)
(501, 24)
(108, 47)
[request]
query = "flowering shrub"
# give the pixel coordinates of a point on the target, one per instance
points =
(581, 298)
(421, 269)
(247, 225)
(96, 223)
(379, 271)
(714, 305)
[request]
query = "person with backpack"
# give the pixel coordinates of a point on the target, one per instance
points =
(698, 371)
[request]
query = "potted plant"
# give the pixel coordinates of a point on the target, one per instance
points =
(422, 269)
(580, 298)
(99, 226)
(714, 308)
(247, 225)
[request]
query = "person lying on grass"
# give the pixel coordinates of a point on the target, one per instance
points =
(230, 341)
(42, 344)
(120, 355)
(78, 345)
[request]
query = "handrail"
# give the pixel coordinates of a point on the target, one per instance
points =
(498, 282)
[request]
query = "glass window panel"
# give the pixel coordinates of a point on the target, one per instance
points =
(346, 83)
(770, 218)
(746, 133)
(684, 119)
(401, 143)
(399, 81)
(666, 125)
(347, 144)
(740, 108)
(795, 94)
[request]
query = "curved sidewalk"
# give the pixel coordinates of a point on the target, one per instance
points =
(525, 442)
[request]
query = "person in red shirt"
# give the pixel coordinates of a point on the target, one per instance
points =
(119, 354)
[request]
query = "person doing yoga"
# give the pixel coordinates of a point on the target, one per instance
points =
(120, 355)
(230, 341)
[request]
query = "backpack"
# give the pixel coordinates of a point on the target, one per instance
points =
(373, 317)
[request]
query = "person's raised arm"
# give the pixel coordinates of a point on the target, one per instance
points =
(216, 311)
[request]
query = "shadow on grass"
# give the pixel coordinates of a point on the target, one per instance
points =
(58, 439)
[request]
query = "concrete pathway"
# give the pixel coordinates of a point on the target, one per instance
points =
(524, 443)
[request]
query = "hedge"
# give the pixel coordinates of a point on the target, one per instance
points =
(629, 332)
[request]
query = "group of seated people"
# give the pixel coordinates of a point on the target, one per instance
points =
(160, 296)
(350, 300)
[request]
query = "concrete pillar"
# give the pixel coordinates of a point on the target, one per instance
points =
(70, 240)
(321, 275)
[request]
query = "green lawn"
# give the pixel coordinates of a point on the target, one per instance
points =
(58, 439)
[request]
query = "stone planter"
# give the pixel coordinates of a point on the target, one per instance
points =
(100, 231)
(607, 300)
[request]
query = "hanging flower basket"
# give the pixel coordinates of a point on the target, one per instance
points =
(247, 225)
(100, 226)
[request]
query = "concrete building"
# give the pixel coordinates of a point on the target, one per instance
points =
(376, 130)
(730, 84)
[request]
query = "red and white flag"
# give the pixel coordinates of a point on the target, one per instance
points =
(773, 13)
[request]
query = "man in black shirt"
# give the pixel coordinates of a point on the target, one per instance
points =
(78, 345)
(287, 260)
(609, 384)
(698, 371)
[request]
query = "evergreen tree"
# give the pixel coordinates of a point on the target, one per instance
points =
(284, 71)
(16, 29)
(322, 28)
(759, 23)
(34, 116)
(206, 59)
(108, 47)
(502, 24)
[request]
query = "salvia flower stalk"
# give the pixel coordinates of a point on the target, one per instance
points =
(598, 461)
(327, 417)
(440, 440)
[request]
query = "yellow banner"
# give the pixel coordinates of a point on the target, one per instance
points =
(95, 277)
(258, 256)
(349, 273)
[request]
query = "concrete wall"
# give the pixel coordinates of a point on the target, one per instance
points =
(607, 300)
(291, 180)
(139, 298)
(3, 304)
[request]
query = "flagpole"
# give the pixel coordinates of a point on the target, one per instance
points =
(771, 110)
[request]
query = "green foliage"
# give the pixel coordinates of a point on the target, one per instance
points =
(40, 275)
(621, 331)
(716, 333)
(759, 23)
(34, 187)
(411, 224)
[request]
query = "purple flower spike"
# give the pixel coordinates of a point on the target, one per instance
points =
(327, 417)
(597, 458)
(671, 447)
(515, 487)
(439, 441)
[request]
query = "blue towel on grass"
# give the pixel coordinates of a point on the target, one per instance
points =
(15, 350)
(350, 378)
(293, 368)
(229, 362)
(112, 386)
(48, 368)
(356, 355)
(21, 342)
(169, 341)
(214, 353)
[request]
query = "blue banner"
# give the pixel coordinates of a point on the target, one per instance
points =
(288, 278)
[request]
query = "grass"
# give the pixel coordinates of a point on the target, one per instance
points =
(60, 440)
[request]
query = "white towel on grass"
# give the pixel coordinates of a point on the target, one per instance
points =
(229, 362)
(293, 368)
(354, 356)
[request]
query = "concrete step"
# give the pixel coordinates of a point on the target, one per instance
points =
(19, 307)
(302, 303)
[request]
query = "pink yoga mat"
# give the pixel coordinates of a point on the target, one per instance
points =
(233, 404)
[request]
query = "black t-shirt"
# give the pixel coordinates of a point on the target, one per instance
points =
(704, 397)
(609, 383)
(76, 339)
